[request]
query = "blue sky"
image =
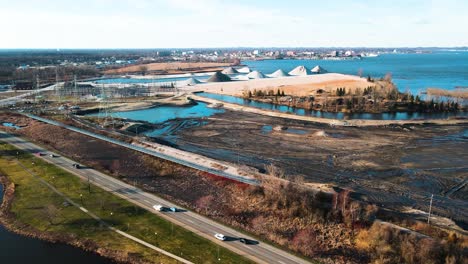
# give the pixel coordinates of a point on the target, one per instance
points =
(219, 23)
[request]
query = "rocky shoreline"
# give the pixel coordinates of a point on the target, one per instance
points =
(8, 220)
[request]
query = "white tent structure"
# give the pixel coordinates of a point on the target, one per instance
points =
(230, 70)
(244, 70)
(279, 73)
(317, 69)
(256, 75)
(300, 71)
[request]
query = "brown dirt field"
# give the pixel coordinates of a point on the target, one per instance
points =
(327, 86)
(171, 67)
(393, 166)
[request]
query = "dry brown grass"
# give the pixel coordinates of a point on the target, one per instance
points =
(169, 67)
(327, 86)
(460, 93)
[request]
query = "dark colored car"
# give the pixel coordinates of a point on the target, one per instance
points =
(76, 165)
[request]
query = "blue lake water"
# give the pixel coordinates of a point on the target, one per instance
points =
(304, 112)
(164, 113)
(413, 72)
(416, 72)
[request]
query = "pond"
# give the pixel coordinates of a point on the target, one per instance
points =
(161, 114)
(332, 115)
(25, 250)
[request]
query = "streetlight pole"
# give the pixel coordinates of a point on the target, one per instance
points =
(89, 185)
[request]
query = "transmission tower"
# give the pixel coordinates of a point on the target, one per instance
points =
(105, 111)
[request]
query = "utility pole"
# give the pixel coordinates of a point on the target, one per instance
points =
(57, 91)
(75, 91)
(89, 185)
(430, 209)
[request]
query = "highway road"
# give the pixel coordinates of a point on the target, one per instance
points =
(260, 253)
(14, 99)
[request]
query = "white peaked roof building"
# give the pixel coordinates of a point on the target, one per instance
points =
(300, 71)
(318, 69)
(279, 73)
(256, 75)
(244, 70)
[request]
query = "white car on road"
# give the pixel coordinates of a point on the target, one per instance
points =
(158, 208)
(220, 236)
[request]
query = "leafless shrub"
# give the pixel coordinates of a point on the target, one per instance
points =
(274, 171)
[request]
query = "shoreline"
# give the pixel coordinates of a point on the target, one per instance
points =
(332, 122)
(11, 224)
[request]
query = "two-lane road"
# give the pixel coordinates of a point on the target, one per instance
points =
(261, 253)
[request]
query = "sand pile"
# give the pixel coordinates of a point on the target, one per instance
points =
(279, 73)
(318, 69)
(191, 82)
(300, 71)
(321, 133)
(256, 75)
(230, 70)
(219, 77)
(244, 70)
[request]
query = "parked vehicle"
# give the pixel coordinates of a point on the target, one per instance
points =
(76, 165)
(53, 156)
(173, 209)
(220, 236)
(40, 154)
(243, 240)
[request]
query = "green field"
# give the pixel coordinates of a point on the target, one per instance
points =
(38, 206)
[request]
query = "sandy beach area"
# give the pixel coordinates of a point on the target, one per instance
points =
(303, 85)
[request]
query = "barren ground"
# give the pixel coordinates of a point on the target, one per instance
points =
(171, 67)
(292, 84)
(392, 166)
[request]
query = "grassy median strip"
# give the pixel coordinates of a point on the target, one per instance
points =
(38, 206)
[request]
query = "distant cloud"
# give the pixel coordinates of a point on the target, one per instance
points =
(218, 23)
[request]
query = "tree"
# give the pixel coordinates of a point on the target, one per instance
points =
(250, 94)
(143, 69)
(282, 93)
